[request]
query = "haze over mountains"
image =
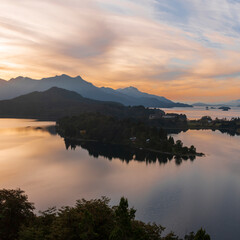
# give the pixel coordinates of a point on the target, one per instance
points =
(234, 103)
(128, 96)
(55, 103)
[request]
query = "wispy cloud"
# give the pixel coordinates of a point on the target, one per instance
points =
(183, 49)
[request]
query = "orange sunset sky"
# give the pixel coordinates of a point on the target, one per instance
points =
(185, 50)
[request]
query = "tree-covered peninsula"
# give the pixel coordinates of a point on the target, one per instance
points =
(128, 132)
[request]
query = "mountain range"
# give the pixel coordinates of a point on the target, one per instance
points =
(129, 96)
(55, 103)
(234, 103)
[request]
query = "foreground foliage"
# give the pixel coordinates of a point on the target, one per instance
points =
(87, 220)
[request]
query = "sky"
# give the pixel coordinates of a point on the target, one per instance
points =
(185, 50)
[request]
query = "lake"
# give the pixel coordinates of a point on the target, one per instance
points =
(198, 112)
(182, 196)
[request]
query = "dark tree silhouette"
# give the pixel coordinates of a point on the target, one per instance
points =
(15, 210)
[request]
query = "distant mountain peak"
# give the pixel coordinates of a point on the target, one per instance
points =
(128, 96)
(67, 76)
(62, 76)
(56, 89)
(131, 88)
(19, 78)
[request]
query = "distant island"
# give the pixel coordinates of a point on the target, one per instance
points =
(126, 132)
(224, 108)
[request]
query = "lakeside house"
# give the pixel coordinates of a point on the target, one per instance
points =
(206, 119)
(155, 116)
(180, 117)
(168, 116)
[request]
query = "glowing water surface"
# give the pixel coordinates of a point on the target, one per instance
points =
(184, 197)
(198, 112)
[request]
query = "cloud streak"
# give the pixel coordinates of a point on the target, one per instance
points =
(183, 49)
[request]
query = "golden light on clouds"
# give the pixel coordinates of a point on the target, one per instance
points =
(180, 54)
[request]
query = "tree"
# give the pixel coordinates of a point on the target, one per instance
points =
(124, 218)
(202, 235)
(192, 149)
(87, 220)
(190, 236)
(171, 236)
(15, 210)
(171, 140)
(179, 144)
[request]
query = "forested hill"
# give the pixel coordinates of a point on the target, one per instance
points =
(56, 103)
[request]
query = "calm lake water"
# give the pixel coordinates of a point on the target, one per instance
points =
(182, 197)
(198, 112)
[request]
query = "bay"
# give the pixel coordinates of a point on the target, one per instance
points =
(182, 196)
(198, 112)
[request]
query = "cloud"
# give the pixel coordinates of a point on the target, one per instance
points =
(175, 48)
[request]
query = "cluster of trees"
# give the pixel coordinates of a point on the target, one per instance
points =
(170, 121)
(87, 220)
(128, 132)
(207, 121)
(232, 126)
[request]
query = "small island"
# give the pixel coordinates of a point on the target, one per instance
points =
(224, 108)
(126, 132)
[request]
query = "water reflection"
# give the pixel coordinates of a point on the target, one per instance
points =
(230, 132)
(97, 149)
(198, 112)
(29, 130)
(124, 153)
(202, 193)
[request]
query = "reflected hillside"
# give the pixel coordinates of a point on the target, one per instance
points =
(125, 154)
